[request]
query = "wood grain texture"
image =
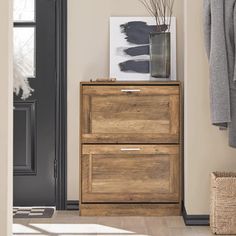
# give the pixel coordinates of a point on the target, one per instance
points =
(86, 114)
(119, 114)
(144, 149)
(174, 115)
(150, 115)
(130, 210)
(137, 90)
(141, 83)
(130, 138)
(112, 226)
(122, 173)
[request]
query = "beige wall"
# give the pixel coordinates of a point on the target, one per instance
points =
(88, 57)
(6, 120)
(206, 148)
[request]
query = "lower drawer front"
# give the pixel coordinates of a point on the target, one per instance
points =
(118, 173)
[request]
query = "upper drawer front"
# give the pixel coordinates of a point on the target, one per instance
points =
(130, 114)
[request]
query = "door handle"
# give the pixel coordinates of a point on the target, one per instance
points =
(130, 149)
(130, 90)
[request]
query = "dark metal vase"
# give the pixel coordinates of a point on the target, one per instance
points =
(160, 57)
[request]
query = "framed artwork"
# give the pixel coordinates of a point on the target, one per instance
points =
(129, 48)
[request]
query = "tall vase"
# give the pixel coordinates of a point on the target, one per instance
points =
(160, 57)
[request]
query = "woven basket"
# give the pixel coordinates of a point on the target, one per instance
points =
(223, 203)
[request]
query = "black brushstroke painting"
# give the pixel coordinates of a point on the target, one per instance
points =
(137, 33)
(138, 51)
(138, 66)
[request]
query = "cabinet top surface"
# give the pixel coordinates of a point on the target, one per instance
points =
(131, 83)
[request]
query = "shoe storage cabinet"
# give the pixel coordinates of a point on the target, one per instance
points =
(130, 143)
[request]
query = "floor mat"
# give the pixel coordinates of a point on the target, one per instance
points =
(33, 212)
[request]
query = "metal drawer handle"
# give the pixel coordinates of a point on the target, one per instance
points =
(130, 90)
(130, 149)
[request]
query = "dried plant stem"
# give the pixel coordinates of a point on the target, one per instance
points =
(147, 7)
(153, 5)
(162, 11)
(170, 7)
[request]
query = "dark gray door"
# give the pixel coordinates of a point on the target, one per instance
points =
(34, 102)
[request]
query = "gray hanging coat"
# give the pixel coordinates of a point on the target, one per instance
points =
(220, 37)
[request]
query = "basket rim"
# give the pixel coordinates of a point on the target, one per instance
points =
(222, 174)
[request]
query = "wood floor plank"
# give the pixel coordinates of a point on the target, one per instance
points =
(70, 223)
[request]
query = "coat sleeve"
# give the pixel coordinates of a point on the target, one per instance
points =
(235, 41)
(207, 25)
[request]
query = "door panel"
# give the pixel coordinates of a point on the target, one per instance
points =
(141, 173)
(130, 114)
(24, 139)
(34, 117)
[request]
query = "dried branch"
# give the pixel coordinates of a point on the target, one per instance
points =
(161, 10)
(170, 7)
(148, 7)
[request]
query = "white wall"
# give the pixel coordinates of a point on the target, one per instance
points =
(206, 148)
(5, 119)
(88, 58)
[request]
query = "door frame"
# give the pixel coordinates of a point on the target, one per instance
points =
(60, 164)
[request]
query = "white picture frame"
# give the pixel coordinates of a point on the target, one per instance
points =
(118, 42)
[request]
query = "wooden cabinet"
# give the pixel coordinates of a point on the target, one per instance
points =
(130, 149)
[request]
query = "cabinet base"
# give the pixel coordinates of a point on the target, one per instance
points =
(130, 209)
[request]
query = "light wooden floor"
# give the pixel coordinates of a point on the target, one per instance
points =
(69, 223)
